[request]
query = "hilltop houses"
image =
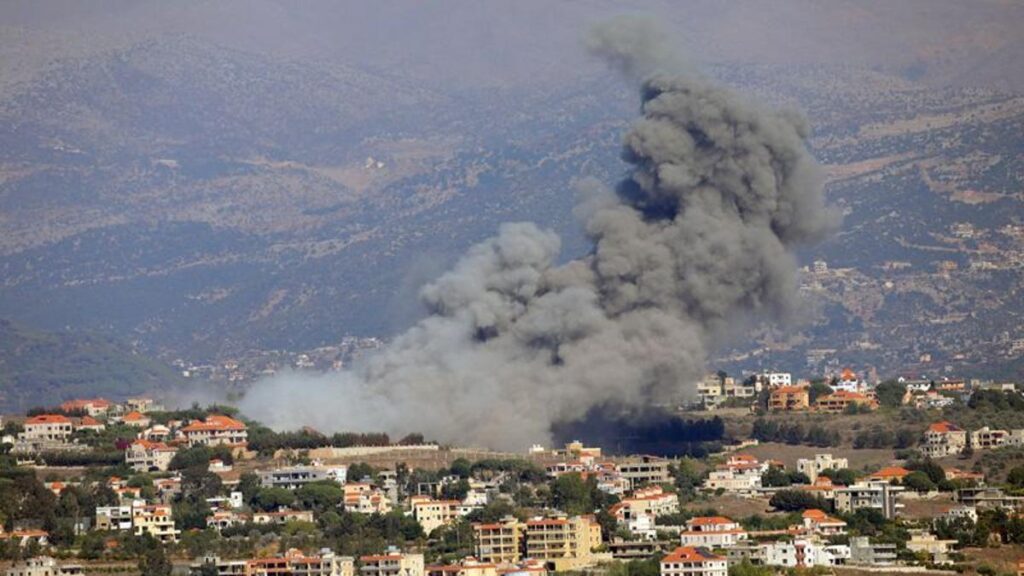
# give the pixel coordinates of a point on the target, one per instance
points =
(216, 430)
(812, 468)
(943, 439)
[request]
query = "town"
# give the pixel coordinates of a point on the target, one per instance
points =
(839, 474)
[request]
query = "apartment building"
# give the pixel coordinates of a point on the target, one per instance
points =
(712, 531)
(740, 474)
(92, 406)
(563, 543)
(216, 430)
(432, 514)
(788, 399)
(651, 501)
(146, 456)
(47, 428)
(881, 496)
(294, 477)
(291, 563)
(986, 438)
(813, 467)
(693, 561)
(839, 401)
(499, 542)
(43, 566)
(113, 518)
(156, 520)
(943, 439)
(818, 522)
(392, 564)
(642, 470)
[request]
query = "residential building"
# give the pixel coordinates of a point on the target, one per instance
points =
(776, 379)
(43, 566)
(93, 407)
(924, 541)
(985, 438)
(801, 553)
(216, 430)
(282, 516)
(499, 542)
(865, 552)
(740, 474)
(788, 399)
(969, 513)
(136, 420)
(880, 496)
(47, 428)
(943, 439)
(693, 561)
(113, 518)
(291, 563)
(643, 470)
(221, 519)
(432, 514)
(294, 477)
(889, 474)
(90, 423)
(392, 564)
(847, 381)
(839, 401)
(710, 390)
(156, 520)
(146, 456)
(142, 405)
(563, 543)
(812, 468)
(712, 531)
(988, 498)
(818, 522)
(467, 567)
(651, 501)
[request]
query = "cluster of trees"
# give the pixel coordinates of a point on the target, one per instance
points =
(267, 441)
(777, 477)
(765, 430)
(881, 437)
(797, 501)
(1009, 529)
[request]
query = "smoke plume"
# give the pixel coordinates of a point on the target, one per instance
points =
(697, 237)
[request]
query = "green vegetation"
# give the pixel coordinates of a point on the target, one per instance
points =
(67, 365)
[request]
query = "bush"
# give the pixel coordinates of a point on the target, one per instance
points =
(796, 500)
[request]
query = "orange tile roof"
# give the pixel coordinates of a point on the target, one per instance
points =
(82, 403)
(710, 521)
(891, 472)
(690, 554)
(90, 421)
(944, 427)
(134, 416)
(48, 419)
(215, 422)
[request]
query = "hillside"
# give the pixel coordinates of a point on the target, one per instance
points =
(44, 368)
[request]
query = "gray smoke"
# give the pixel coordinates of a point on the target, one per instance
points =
(698, 237)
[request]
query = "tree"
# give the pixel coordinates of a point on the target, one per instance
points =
(461, 467)
(796, 500)
(360, 470)
(571, 494)
(269, 499)
(817, 389)
(154, 562)
(919, 481)
(1016, 477)
(890, 393)
(843, 476)
(320, 495)
(775, 477)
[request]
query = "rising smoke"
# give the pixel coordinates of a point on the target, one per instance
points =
(699, 236)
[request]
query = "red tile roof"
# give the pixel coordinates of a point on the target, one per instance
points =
(215, 422)
(690, 554)
(48, 419)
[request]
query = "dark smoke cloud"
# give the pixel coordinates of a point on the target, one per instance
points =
(699, 236)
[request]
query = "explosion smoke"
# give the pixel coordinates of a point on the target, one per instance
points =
(698, 237)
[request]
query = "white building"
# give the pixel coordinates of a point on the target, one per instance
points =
(821, 462)
(43, 566)
(712, 531)
(294, 477)
(693, 561)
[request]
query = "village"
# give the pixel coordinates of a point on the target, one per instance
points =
(96, 486)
